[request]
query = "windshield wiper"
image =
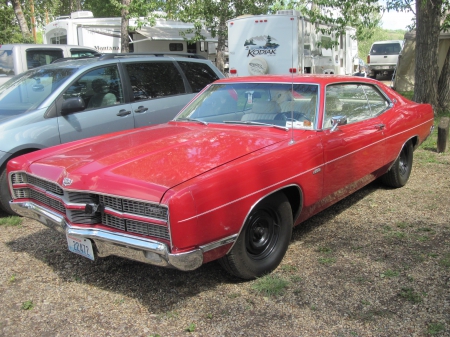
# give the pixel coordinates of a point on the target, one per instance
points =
(258, 123)
(192, 120)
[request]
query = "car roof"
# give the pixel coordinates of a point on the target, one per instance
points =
(305, 78)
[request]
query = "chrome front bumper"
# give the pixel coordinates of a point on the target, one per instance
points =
(112, 243)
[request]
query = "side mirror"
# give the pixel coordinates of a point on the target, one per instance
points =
(71, 105)
(336, 121)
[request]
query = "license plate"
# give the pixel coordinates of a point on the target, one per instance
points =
(80, 246)
(385, 67)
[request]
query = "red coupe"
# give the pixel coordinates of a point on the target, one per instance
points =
(241, 165)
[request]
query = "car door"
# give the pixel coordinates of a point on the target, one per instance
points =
(158, 91)
(106, 111)
(354, 151)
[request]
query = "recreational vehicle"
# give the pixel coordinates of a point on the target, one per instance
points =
(103, 34)
(287, 42)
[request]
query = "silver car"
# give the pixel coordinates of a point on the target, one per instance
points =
(75, 99)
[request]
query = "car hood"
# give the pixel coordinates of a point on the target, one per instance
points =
(144, 163)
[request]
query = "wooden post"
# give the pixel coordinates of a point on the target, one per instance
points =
(442, 140)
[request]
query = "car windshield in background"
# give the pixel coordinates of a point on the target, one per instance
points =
(28, 90)
(284, 105)
(386, 49)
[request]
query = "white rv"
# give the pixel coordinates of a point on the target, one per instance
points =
(103, 34)
(286, 43)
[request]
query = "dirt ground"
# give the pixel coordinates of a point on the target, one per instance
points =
(375, 264)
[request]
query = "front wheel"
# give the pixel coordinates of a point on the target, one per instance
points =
(400, 171)
(263, 240)
(5, 196)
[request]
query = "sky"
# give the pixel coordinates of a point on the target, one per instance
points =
(396, 20)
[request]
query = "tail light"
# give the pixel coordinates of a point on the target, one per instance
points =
(368, 59)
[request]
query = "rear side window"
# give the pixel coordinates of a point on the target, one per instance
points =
(386, 49)
(6, 63)
(199, 75)
(37, 58)
(154, 79)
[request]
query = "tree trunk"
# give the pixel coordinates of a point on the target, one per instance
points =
(221, 44)
(444, 85)
(124, 44)
(427, 43)
(21, 19)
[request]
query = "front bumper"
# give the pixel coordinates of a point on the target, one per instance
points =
(113, 243)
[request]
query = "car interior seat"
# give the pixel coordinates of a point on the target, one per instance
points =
(265, 110)
(102, 96)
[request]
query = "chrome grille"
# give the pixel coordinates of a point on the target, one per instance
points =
(19, 178)
(138, 227)
(111, 202)
(47, 201)
(46, 185)
(82, 198)
(113, 221)
(135, 207)
(22, 193)
(80, 217)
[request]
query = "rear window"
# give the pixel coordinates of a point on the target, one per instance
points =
(386, 49)
(199, 75)
(37, 58)
(6, 63)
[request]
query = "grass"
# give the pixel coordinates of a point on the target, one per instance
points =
(435, 328)
(191, 327)
(270, 285)
(445, 261)
(410, 295)
(11, 221)
(327, 260)
(389, 273)
(27, 305)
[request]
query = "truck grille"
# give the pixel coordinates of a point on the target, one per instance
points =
(64, 202)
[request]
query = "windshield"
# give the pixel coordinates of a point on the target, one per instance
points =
(27, 91)
(285, 104)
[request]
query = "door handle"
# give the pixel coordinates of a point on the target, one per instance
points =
(380, 126)
(123, 112)
(141, 109)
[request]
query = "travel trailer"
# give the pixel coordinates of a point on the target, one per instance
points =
(287, 42)
(103, 34)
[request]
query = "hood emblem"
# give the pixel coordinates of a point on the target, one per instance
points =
(67, 181)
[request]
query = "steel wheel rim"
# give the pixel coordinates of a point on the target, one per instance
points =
(262, 234)
(403, 162)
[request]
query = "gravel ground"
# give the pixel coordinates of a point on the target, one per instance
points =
(375, 264)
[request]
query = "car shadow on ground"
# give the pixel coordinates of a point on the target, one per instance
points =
(158, 289)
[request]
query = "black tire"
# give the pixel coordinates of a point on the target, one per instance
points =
(263, 241)
(400, 171)
(5, 196)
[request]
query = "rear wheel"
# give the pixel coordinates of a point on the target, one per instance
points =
(263, 241)
(400, 171)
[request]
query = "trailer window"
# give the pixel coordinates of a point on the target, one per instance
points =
(175, 46)
(199, 75)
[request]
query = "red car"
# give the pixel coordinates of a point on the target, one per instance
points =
(241, 165)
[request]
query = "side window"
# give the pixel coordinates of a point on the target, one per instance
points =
(199, 75)
(357, 102)
(99, 88)
(377, 102)
(154, 80)
(37, 58)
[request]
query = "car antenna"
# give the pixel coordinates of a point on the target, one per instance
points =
(292, 81)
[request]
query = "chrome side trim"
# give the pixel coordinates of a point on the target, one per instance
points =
(113, 243)
(219, 243)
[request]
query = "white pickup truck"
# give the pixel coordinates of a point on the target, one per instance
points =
(17, 58)
(383, 57)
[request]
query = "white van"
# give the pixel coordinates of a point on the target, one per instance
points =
(17, 58)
